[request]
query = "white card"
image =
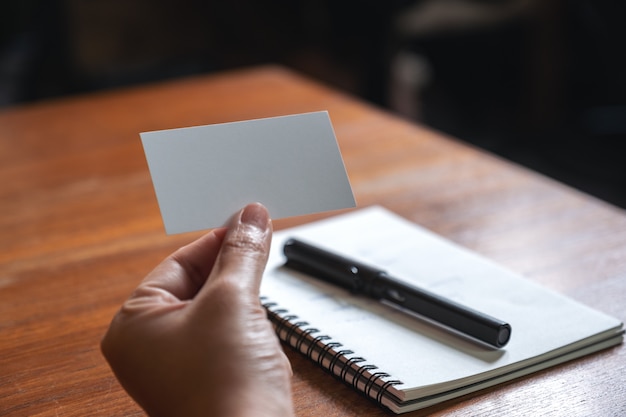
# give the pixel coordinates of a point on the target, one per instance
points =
(202, 175)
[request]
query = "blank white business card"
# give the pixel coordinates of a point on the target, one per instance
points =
(202, 175)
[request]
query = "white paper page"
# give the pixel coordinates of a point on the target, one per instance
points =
(412, 351)
(204, 174)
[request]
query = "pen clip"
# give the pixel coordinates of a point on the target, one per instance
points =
(327, 266)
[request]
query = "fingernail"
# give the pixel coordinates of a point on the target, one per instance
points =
(255, 215)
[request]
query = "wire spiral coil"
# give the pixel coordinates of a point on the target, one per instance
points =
(321, 349)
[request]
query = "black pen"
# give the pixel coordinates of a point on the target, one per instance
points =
(375, 283)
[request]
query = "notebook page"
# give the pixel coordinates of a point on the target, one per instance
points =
(425, 358)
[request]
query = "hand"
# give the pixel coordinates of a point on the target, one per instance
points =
(193, 338)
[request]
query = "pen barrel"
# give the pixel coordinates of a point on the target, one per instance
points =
(442, 310)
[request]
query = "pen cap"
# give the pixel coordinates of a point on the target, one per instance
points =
(323, 265)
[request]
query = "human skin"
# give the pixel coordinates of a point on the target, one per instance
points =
(193, 339)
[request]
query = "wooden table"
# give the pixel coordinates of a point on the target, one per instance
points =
(80, 226)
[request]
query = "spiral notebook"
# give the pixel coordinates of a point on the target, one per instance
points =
(400, 361)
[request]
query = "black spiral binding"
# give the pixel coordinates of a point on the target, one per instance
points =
(353, 370)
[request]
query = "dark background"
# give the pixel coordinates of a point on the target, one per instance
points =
(540, 82)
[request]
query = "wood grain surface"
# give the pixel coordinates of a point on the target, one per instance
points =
(80, 227)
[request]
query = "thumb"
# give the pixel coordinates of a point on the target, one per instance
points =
(245, 249)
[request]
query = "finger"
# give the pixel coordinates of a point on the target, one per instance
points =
(185, 271)
(245, 248)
